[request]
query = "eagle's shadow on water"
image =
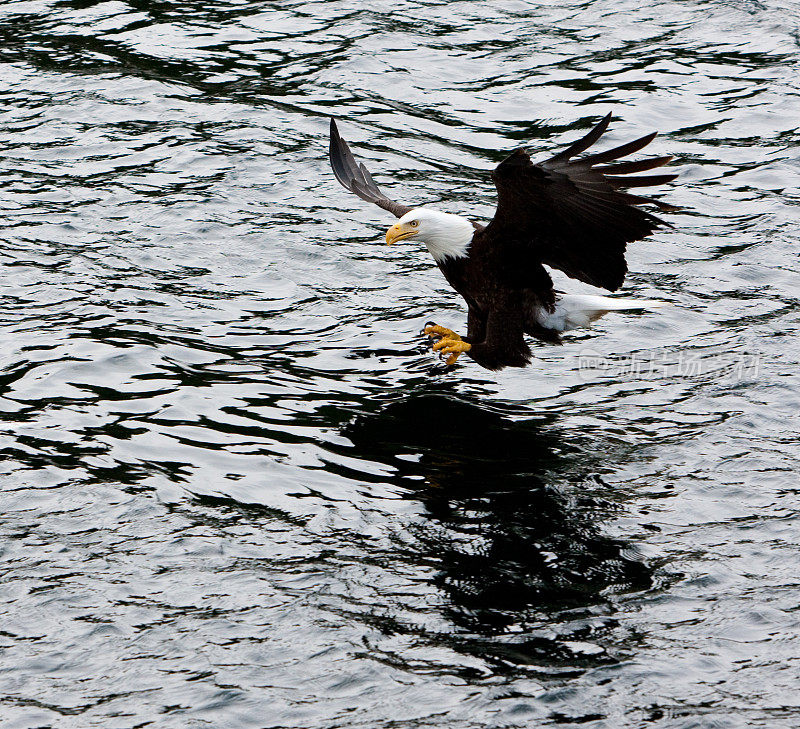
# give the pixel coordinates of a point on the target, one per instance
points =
(515, 539)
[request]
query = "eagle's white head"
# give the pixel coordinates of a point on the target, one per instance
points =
(444, 234)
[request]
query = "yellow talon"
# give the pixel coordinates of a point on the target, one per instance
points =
(434, 330)
(449, 342)
(453, 347)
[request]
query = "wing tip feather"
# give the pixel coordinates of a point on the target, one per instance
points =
(355, 177)
(586, 141)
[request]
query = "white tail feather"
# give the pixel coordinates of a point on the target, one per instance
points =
(580, 310)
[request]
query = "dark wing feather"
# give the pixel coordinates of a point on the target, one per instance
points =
(571, 214)
(356, 178)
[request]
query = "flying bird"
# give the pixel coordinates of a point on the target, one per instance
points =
(566, 212)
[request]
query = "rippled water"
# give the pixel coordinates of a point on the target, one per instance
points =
(238, 490)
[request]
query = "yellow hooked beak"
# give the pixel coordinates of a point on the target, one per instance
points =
(400, 231)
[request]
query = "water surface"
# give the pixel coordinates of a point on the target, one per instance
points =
(239, 491)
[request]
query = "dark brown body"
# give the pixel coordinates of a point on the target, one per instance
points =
(503, 287)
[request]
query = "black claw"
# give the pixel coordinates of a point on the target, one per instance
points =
(425, 326)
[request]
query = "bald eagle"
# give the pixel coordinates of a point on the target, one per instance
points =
(565, 213)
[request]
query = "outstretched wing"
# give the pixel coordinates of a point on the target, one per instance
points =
(356, 178)
(570, 214)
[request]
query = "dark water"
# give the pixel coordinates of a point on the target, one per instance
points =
(238, 491)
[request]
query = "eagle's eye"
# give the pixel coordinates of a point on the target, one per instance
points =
(415, 223)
